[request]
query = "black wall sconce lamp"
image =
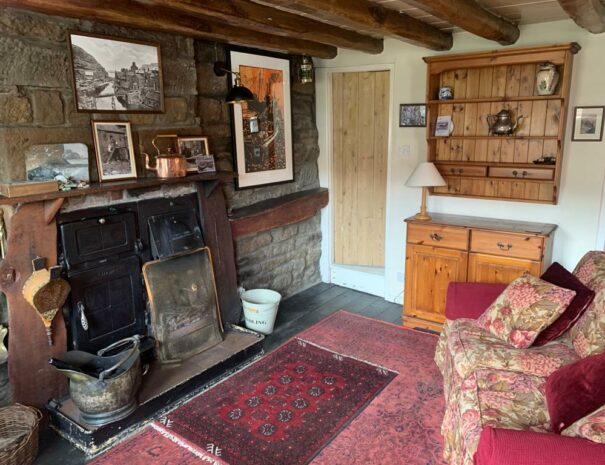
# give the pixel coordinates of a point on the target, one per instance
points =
(238, 93)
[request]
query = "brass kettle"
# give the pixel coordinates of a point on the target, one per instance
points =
(169, 165)
(502, 124)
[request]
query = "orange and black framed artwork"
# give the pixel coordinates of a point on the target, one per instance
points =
(262, 126)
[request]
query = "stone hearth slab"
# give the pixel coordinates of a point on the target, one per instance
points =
(164, 387)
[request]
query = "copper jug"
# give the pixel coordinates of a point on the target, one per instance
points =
(169, 165)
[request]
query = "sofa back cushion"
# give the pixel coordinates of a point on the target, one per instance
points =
(558, 275)
(591, 427)
(588, 333)
(575, 390)
(526, 307)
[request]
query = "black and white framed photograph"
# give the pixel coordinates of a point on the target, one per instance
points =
(412, 115)
(115, 75)
(191, 148)
(114, 150)
(588, 124)
(263, 125)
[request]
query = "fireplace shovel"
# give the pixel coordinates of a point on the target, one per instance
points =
(46, 292)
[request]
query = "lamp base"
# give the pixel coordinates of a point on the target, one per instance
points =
(422, 216)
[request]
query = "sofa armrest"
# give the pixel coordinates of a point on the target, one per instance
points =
(470, 300)
(510, 447)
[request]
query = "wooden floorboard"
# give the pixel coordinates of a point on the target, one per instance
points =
(295, 314)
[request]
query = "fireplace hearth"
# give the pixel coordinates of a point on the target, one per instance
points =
(102, 251)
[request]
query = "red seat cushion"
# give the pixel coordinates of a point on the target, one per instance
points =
(556, 274)
(510, 447)
(469, 300)
(575, 390)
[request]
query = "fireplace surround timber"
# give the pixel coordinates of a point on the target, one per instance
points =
(32, 231)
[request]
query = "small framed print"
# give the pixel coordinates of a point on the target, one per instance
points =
(412, 115)
(114, 150)
(191, 148)
(205, 163)
(588, 124)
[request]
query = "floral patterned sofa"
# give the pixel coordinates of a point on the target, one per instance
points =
(489, 383)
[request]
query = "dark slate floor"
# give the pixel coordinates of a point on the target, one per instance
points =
(295, 314)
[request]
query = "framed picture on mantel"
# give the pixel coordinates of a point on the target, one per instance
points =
(262, 127)
(115, 75)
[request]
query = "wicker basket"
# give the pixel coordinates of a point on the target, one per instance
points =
(19, 434)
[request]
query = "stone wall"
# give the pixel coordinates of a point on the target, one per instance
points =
(37, 107)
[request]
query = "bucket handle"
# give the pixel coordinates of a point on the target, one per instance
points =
(135, 347)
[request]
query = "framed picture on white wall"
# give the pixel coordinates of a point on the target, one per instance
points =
(588, 124)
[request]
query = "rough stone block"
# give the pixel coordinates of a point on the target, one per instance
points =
(15, 109)
(179, 78)
(48, 107)
(249, 244)
(37, 26)
(176, 110)
(213, 110)
(14, 142)
(26, 63)
(74, 117)
(286, 232)
(208, 83)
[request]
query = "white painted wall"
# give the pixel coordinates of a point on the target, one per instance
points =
(578, 212)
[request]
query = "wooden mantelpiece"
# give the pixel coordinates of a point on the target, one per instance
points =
(100, 188)
(32, 231)
(274, 213)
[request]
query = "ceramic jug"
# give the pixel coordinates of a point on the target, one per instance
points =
(547, 79)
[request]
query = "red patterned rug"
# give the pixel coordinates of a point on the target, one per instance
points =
(304, 403)
(282, 409)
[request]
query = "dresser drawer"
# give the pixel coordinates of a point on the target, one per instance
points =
(522, 173)
(463, 170)
(507, 245)
(438, 236)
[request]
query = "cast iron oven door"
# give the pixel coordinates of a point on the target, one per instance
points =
(185, 316)
(106, 304)
(174, 233)
(91, 241)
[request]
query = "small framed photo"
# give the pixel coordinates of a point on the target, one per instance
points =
(191, 148)
(588, 124)
(205, 163)
(412, 115)
(114, 150)
(116, 75)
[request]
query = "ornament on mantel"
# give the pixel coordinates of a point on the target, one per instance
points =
(3, 351)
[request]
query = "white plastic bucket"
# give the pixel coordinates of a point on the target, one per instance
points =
(260, 309)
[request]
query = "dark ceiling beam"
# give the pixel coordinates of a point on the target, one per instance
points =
(369, 16)
(470, 16)
(249, 15)
(133, 14)
(588, 14)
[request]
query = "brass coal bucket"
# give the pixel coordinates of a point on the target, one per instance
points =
(103, 387)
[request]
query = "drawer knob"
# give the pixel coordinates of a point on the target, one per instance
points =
(515, 173)
(102, 221)
(436, 237)
(524, 173)
(502, 246)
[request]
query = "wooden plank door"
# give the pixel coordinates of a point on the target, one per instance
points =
(360, 126)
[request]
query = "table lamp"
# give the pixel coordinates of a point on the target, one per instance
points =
(425, 175)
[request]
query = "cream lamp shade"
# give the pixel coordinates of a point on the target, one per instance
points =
(425, 175)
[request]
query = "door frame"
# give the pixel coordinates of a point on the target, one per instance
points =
(371, 283)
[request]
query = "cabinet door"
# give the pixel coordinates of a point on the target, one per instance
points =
(428, 272)
(484, 268)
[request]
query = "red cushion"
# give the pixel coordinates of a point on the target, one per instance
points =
(469, 300)
(559, 276)
(510, 447)
(575, 390)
